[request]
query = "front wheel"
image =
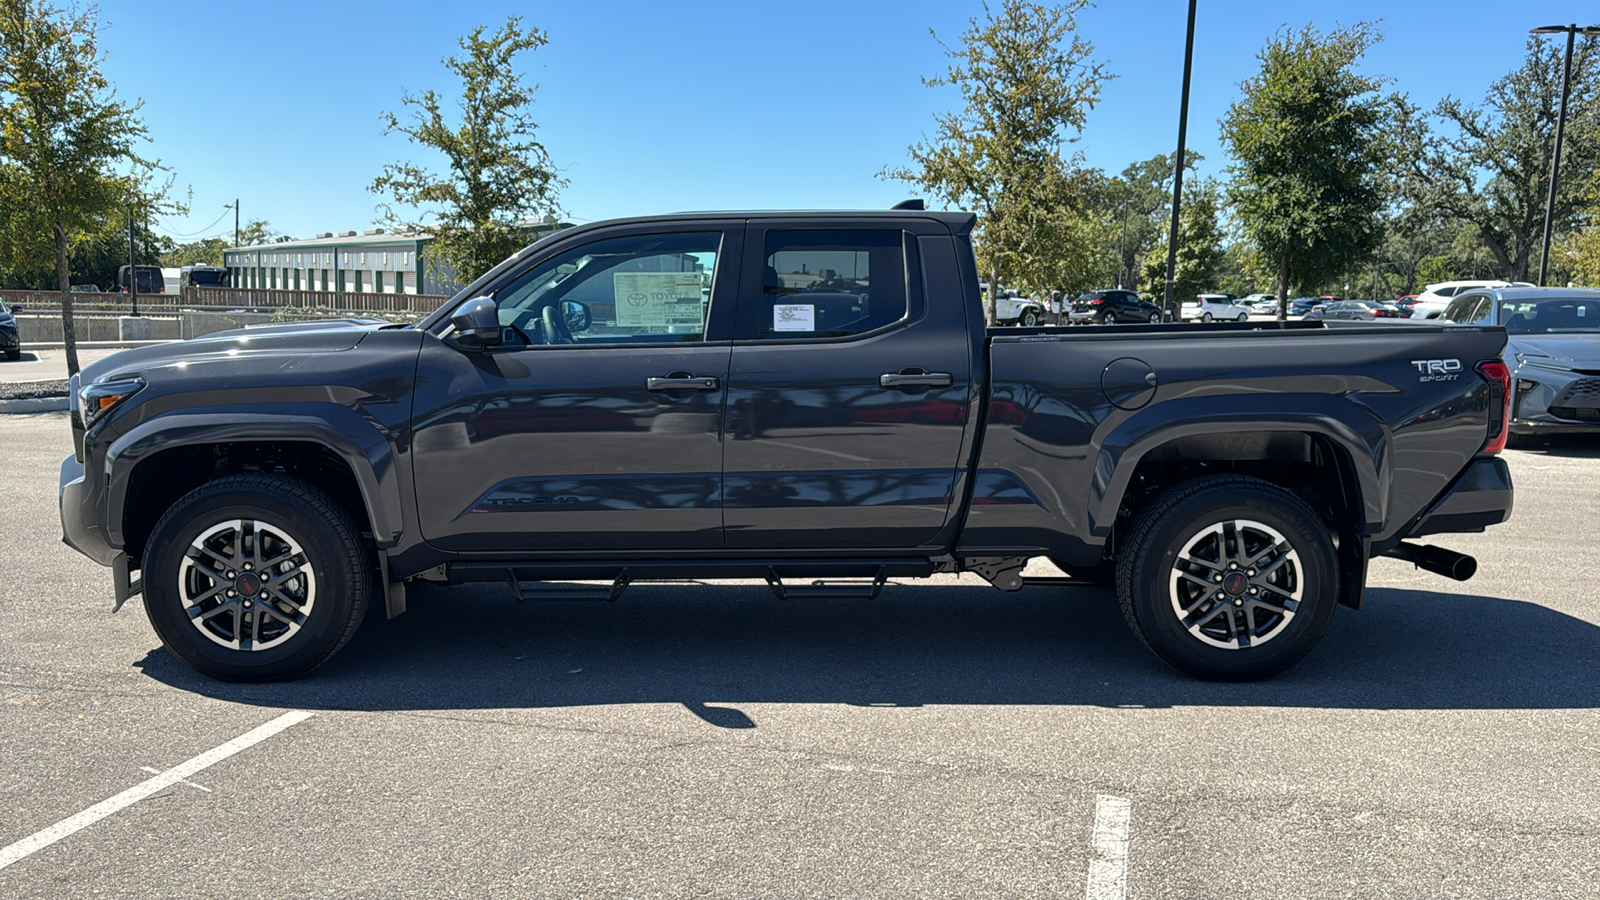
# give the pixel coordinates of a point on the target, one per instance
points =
(1155, 318)
(256, 578)
(1029, 318)
(1244, 317)
(1228, 578)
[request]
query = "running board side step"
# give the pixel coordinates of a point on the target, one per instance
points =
(582, 592)
(828, 590)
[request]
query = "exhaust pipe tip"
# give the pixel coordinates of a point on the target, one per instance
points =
(1437, 560)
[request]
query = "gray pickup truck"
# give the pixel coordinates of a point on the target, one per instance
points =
(811, 399)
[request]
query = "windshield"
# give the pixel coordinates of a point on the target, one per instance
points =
(1554, 316)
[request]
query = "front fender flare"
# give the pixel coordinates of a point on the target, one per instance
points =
(352, 437)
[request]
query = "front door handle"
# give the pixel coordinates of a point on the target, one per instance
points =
(915, 379)
(682, 383)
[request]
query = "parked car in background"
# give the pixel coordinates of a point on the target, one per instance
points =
(87, 289)
(147, 279)
(1432, 302)
(1260, 302)
(1210, 307)
(1299, 306)
(1553, 352)
(1355, 310)
(10, 341)
(1406, 304)
(202, 276)
(1013, 309)
(1108, 307)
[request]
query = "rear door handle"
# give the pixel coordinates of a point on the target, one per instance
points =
(920, 379)
(682, 383)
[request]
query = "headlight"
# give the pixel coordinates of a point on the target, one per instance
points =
(95, 400)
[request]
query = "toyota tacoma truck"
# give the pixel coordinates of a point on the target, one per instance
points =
(809, 399)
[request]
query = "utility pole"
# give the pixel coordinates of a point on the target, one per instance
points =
(1177, 169)
(1561, 124)
(236, 221)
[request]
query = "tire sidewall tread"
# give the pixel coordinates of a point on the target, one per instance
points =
(328, 534)
(1150, 548)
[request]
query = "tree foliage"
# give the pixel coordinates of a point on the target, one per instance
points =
(68, 159)
(1200, 254)
(1026, 80)
(1489, 165)
(1308, 138)
(498, 173)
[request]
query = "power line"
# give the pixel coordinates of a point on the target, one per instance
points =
(176, 234)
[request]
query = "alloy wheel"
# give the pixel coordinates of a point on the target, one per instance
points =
(1236, 584)
(246, 584)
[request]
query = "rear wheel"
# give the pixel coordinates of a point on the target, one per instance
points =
(1155, 318)
(1205, 317)
(1228, 578)
(1107, 318)
(14, 355)
(256, 578)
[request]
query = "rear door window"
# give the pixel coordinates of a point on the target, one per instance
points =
(828, 284)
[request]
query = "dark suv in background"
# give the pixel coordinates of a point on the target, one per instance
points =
(1111, 306)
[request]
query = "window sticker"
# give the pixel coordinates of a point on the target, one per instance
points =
(794, 317)
(654, 299)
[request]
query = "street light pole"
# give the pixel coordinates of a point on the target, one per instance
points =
(1177, 168)
(1572, 32)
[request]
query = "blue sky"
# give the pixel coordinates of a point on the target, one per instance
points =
(651, 107)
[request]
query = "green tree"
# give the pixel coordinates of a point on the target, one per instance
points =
(1026, 79)
(67, 145)
(1200, 253)
(1143, 201)
(499, 175)
(257, 232)
(1490, 165)
(1307, 137)
(204, 252)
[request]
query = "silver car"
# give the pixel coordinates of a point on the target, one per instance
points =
(1553, 353)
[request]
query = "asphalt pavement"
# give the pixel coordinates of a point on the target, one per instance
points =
(709, 740)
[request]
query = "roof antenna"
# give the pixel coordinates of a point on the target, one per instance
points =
(910, 204)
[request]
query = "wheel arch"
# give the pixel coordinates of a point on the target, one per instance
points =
(163, 458)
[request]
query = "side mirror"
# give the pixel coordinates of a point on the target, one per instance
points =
(576, 315)
(477, 322)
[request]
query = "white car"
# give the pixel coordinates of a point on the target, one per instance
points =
(1434, 298)
(1261, 302)
(1209, 307)
(1012, 309)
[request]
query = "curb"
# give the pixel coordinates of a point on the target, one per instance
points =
(33, 405)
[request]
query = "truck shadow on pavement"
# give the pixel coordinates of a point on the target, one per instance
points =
(471, 648)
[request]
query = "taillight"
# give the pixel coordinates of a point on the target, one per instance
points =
(1498, 376)
(1096, 301)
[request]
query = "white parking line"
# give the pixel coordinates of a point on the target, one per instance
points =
(42, 839)
(1108, 870)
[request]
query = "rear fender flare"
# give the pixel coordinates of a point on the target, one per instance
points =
(1363, 436)
(350, 436)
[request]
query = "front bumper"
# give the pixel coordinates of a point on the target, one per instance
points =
(1554, 401)
(1481, 497)
(78, 498)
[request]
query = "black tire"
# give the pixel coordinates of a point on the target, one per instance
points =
(1205, 317)
(1107, 318)
(14, 355)
(1155, 318)
(1151, 593)
(1244, 317)
(1029, 318)
(330, 550)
